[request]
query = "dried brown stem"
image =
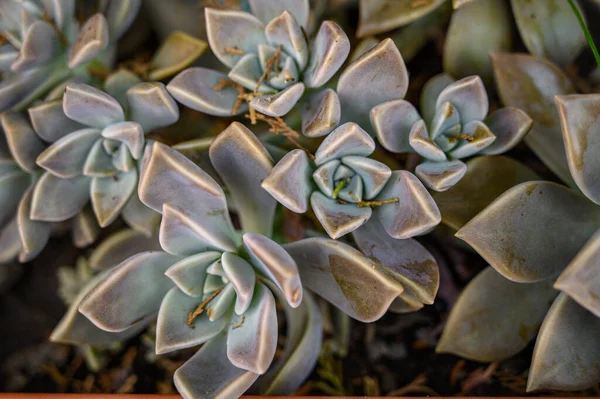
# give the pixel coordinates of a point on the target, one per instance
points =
(270, 64)
(234, 50)
(200, 308)
(278, 126)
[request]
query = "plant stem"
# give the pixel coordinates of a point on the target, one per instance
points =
(586, 32)
(338, 188)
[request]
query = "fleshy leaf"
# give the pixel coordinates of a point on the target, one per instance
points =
(289, 182)
(118, 247)
(415, 212)
(66, 157)
(92, 40)
(378, 16)
(210, 375)
(276, 264)
(34, 235)
(328, 51)
(580, 120)
(139, 217)
(430, 93)
(518, 235)
(242, 162)
(131, 293)
(486, 178)
(495, 318)
(60, 11)
(372, 173)
(117, 84)
(130, 133)
(338, 219)
(109, 195)
(440, 176)
(345, 277)
(233, 29)
(50, 122)
(321, 113)
(468, 96)
(120, 15)
(247, 72)
(177, 52)
(566, 351)
(85, 229)
(266, 10)
(24, 144)
(348, 139)
(252, 337)
(172, 329)
(152, 106)
(90, 106)
(421, 142)
(10, 242)
(392, 122)
(12, 186)
(509, 125)
(40, 45)
(530, 84)
(278, 104)
(405, 260)
(189, 273)
(481, 138)
(194, 88)
(241, 275)
(549, 29)
(56, 199)
(284, 31)
(325, 175)
(377, 76)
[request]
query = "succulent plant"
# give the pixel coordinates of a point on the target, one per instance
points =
(101, 153)
(455, 124)
(74, 283)
(270, 58)
(531, 234)
(214, 285)
(345, 187)
(46, 46)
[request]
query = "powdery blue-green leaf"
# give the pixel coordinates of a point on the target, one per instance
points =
(50, 122)
(266, 10)
(338, 219)
(13, 185)
(377, 76)
(405, 260)
(468, 96)
(420, 141)
(34, 235)
(378, 16)
(348, 139)
(131, 293)
(278, 104)
(222, 303)
(165, 172)
(468, 45)
(321, 113)
(98, 163)
(495, 318)
(392, 122)
(55, 199)
(139, 217)
(178, 51)
(117, 84)
(567, 352)
(550, 29)
(285, 31)
(328, 51)
(372, 173)
(252, 337)
(242, 162)
(17, 87)
(233, 29)
(430, 94)
(109, 195)
(130, 133)
(10, 242)
(122, 159)
(194, 88)
(325, 175)
(22, 141)
(345, 277)
(509, 125)
(93, 39)
(210, 375)
(66, 157)
(90, 106)
(580, 278)
(189, 274)
(172, 329)
(289, 182)
(482, 138)
(61, 11)
(440, 176)
(580, 121)
(247, 72)
(119, 246)
(85, 229)
(531, 232)
(485, 180)
(276, 264)
(353, 191)
(415, 212)
(120, 15)
(241, 275)
(40, 45)
(152, 106)
(530, 84)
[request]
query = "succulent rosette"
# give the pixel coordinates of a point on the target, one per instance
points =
(345, 188)
(216, 286)
(270, 58)
(46, 46)
(530, 235)
(101, 155)
(454, 125)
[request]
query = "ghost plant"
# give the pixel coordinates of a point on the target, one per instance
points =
(101, 154)
(46, 46)
(345, 187)
(454, 125)
(531, 234)
(216, 286)
(95, 344)
(270, 58)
